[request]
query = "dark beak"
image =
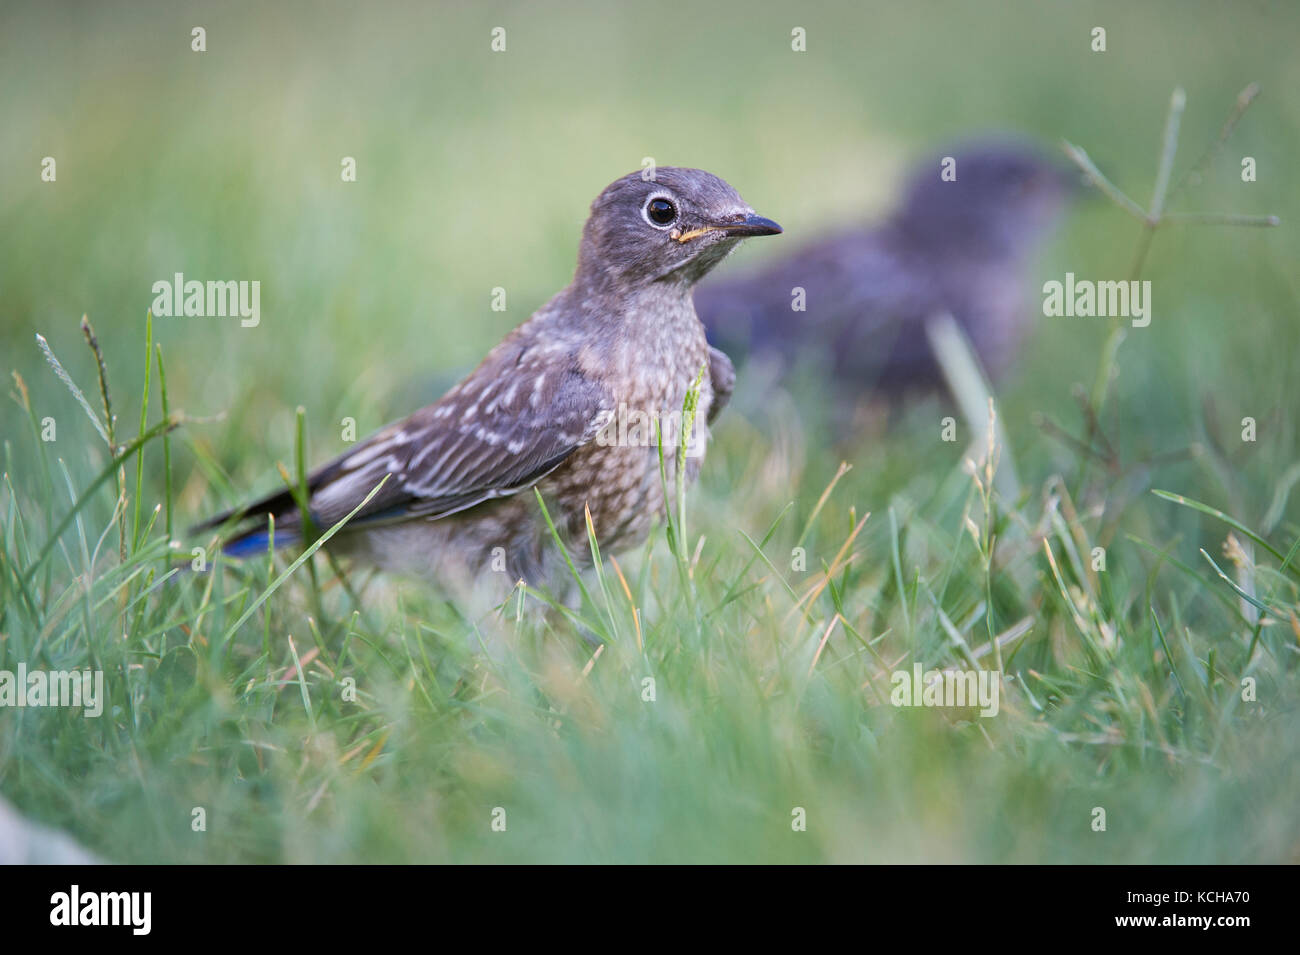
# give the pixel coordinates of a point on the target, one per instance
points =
(749, 226)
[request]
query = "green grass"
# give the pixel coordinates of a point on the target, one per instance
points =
(232, 689)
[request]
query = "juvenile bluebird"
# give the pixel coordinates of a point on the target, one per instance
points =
(548, 408)
(960, 245)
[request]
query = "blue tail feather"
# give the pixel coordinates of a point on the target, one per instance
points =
(256, 542)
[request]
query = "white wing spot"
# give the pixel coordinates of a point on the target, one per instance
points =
(367, 454)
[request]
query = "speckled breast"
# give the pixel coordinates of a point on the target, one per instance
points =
(617, 475)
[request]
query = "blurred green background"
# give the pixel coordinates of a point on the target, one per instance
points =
(475, 171)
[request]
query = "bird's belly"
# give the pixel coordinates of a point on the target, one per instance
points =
(621, 484)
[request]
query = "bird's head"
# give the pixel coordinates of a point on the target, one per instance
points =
(994, 197)
(672, 227)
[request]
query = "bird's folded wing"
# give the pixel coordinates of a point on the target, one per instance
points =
(493, 435)
(484, 439)
(722, 376)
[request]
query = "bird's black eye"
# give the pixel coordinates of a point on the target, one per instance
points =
(660, 211)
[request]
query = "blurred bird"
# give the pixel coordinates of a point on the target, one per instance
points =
(546, 409)
(959, 246)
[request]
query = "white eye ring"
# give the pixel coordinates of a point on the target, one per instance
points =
(668, 198)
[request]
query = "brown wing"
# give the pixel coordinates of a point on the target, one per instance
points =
(722, 375)
(498, 432)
